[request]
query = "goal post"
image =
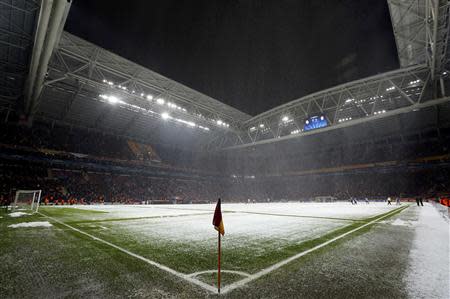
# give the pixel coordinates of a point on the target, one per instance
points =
(27, 200)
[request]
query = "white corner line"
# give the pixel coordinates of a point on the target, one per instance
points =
(215, 271)
(280, 264)
(153, 263)
(190, 277)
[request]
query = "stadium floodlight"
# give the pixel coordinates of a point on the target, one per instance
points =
(172, 105)
(165, 115)
(113, 99)
(160, 101)
(27, 200)
(380, 111)
(390, 88)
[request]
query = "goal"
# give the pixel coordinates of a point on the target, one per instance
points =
(27, 200)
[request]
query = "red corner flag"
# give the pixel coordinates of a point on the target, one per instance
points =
(218, 225)
(217, 220)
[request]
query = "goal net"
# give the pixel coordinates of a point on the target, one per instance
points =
(27, 200)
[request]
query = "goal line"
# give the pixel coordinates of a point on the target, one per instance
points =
(249, 277)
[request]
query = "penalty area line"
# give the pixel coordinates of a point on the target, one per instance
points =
(282, 263)
(183, 276)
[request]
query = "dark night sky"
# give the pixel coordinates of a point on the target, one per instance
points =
(252, 55)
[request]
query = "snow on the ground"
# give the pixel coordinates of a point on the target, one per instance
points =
(333, 210)
(242, 221)
(31, 224)
(429, 267)
(400, 222)
(18, 214)
(130, 211)
(241, 230)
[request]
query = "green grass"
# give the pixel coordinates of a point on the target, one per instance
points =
(198, 256)
(298, 216)
(74, 260)
(56, 262)
(68, 212)
(131, 218)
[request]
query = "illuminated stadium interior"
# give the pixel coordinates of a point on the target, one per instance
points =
(91, 129)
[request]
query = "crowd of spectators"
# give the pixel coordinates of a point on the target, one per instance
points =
(87, 187)
(65, 141)
(290, 158)
(61, 138)
(94, 146)
(263, 174)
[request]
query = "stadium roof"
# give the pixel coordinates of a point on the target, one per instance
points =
(421, 32)
(17, 26)
(80, 59)
(421, 29)
(77, 83)
(84, 81)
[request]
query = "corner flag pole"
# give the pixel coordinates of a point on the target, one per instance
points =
(218, 266)
(218, 226)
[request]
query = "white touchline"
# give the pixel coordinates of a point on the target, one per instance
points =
(153, 263)
(278, 265)
(240, 283)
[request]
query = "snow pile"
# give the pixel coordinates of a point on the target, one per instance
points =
(31, 224)
(400, 222)
(18, 214)
(428, 275)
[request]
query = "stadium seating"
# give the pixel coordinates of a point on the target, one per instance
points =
(80, 166)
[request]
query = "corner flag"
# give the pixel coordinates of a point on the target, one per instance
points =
(217, 220)
(218, 225)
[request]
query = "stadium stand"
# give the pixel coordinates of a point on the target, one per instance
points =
(82, 166)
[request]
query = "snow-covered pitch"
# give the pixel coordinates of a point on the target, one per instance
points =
(262, 242)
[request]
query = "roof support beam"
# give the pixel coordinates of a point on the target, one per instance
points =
(52, 18)
(347, 124)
